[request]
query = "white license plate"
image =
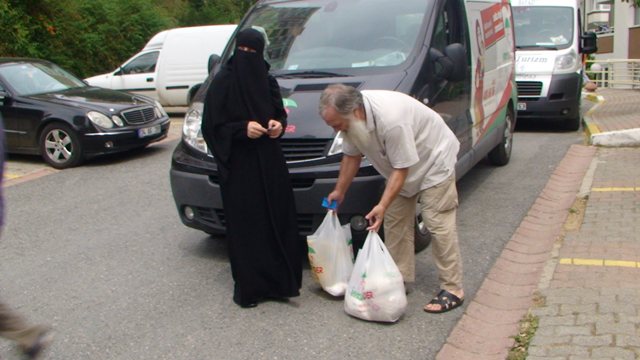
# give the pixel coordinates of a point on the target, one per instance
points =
(522, 106)
(150, 131)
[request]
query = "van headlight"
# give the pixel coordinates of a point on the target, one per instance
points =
(566, 63)
(336, 146)
(100, 119)
(191, 132)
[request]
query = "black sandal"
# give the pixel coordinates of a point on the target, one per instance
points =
(446, 300)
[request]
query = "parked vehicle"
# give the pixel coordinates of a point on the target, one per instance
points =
(455, 56)
(172, 65)
(48, 111)
(550, 44)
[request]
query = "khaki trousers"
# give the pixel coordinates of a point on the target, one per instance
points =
(437, 206)
(14, 327)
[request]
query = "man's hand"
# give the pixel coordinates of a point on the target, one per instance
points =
(275, 129)
(375, 217)
(255, 130)
(337, 196)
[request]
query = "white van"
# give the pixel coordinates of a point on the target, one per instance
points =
(172, 65)
(549, 49)
(456, 57)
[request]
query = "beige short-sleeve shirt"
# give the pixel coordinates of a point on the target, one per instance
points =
(404, 133)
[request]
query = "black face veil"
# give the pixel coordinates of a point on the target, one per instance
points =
(250, 97)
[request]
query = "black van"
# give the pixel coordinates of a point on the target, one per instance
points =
(430, 49)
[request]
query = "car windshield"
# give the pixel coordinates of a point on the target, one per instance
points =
(38, 78)
(327, 35)
(543, 26)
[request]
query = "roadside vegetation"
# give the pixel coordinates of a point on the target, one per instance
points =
(91, 37)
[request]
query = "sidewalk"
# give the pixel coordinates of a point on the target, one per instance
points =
(574, 261)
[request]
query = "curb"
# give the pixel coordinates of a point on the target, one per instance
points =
(491, 321)
(616, 138)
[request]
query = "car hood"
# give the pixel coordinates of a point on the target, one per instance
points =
(94, 98)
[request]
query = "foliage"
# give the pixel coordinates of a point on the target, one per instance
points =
(89, 37)
(635, 3)
(528, 327)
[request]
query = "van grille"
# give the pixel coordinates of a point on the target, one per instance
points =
(529, 88)
(304, 149)
(139, 115)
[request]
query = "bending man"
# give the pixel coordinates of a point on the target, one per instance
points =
(412, 147)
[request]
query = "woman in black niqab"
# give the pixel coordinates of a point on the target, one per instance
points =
(242, 122)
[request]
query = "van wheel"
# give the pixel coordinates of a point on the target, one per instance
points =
(422, 235)
(501, 154)
(572, 124)
(60, 146)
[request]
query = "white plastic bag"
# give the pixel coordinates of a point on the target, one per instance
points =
(376, 289)
(331, 255)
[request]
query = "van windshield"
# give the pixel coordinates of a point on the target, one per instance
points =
(328, 35)
(543, 27)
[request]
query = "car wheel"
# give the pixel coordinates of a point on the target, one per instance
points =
(501, 154)
(60, 146)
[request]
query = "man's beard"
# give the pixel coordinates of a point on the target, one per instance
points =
(358, 133)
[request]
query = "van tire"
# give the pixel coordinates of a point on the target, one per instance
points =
(572, 124)
(501, 154)
(422, 236)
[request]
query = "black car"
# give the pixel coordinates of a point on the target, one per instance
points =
(50, 112)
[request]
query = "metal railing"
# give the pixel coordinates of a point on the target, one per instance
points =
(615, 73)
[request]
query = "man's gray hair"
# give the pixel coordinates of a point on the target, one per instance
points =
(345, 99)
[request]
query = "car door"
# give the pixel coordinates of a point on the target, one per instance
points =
(138, 75)
(20, 119)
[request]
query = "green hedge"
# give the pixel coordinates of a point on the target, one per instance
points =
(90, 37)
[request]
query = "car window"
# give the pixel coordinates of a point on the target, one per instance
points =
(145, 63)
(38, 78)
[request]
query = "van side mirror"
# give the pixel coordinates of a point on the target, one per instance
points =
(119, 72)
(214, 60)
(457, 54)
(589, 42)
(452, 65)
(442, 66)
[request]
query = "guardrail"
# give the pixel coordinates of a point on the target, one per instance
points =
(615, 73)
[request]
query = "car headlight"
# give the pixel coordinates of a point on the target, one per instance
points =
(566, 63)
(159, 110)
(191, 132)
(100, 119)
(336, 146)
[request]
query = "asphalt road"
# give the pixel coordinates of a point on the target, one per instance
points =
(99, 253)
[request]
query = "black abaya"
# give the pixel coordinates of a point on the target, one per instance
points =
(265, 248)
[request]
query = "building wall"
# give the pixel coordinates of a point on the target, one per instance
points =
(634, 38)
(605, 44)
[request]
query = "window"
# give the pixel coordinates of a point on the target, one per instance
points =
(145, 63)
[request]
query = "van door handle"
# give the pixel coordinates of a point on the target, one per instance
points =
(149, 79)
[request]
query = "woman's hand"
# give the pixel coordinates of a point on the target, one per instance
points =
(255, 130)
(275, 129)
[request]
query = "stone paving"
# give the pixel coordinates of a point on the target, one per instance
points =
(592, 302)
(574, 262)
